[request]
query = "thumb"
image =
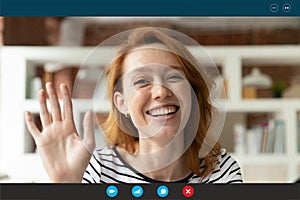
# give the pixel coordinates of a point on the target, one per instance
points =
(88, 136)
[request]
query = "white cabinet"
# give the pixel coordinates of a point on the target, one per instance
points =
(22, 164)
(263, 167)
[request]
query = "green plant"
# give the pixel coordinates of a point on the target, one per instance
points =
(278, 87)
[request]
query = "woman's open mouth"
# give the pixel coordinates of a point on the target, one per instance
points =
(163, 111)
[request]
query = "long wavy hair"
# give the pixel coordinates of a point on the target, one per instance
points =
(117, 136)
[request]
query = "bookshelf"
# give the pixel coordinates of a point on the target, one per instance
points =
(22, 164)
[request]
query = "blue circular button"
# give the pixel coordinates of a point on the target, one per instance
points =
(112, 191)
(274, 7)
(162, 191)
(137, 191)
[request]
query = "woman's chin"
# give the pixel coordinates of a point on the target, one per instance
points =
(165, 133)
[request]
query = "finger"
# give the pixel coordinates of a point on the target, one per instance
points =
(44, 113)
(88, 136)
(34, 131)
(55, 109)
(67, 103)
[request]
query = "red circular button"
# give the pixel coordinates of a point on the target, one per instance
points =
(188, 191)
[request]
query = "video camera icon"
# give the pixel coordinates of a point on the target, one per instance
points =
(112, 191)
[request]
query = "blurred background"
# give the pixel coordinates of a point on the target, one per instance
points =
(258, 58)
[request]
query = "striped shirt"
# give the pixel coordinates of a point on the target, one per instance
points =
(107, 166)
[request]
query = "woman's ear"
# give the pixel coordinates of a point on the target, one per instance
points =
(119, 102)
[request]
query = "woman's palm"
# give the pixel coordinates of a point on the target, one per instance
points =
(64, 154)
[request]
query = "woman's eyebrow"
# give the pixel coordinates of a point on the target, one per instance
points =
(141, 69)
(148, 68)
(176, 67)
(138, 71)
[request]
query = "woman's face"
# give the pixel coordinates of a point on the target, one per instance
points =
(156, 93)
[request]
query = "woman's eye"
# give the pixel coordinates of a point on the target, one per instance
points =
(141, 82)
(175, 77)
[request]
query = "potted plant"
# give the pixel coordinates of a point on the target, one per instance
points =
(278, 88)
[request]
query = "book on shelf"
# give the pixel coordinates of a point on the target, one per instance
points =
(251, 141)
(263, 147)
(262, 138)
(279, 137)
(35, 87)
(239, 138)
(271, 136)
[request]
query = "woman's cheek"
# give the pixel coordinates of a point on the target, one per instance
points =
(184, 97)
(137, 103)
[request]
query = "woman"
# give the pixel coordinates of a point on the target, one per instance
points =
(159, 124)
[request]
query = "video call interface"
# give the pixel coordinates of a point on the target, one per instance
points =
(111, 103)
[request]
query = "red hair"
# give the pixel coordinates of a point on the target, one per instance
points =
(114, 72)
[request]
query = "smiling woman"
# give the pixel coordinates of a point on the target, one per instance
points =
(160, 125)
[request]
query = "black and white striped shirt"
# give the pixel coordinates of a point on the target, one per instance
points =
(107, 166)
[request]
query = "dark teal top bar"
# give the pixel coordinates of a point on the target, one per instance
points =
(150, 7)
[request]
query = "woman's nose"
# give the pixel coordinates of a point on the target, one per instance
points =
(159, 91)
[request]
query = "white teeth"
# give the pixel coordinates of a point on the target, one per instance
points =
(163, 111)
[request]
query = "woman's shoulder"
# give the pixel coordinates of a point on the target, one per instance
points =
(102, 160)
(225, 160)
(105, 153)
(227, 170)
